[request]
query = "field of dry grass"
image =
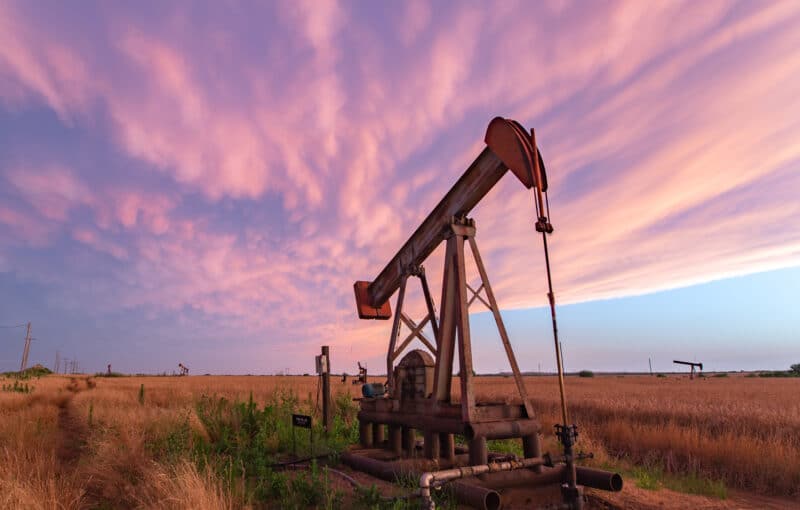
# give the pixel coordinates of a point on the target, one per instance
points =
(91, 447)
(739, 430)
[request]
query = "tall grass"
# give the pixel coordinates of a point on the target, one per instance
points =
(209, 442)
(743, 432)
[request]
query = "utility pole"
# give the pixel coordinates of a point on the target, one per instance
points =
(58, 361)
(26, 350)
(651, 365)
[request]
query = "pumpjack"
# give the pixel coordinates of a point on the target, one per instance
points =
(692, 364)
(418, 395)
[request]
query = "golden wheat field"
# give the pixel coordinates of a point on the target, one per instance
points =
(83, 442)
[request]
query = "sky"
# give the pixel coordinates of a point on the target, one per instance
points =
(202, 182)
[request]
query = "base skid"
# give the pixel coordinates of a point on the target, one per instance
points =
(523, 488)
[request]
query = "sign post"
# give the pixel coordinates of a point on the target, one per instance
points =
(303, 421)
(324, 369)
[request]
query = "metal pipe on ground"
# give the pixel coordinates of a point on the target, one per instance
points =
(588, 477)
(475, 496)
(598, 479)
(525, 477)
(376, 468)
(433, 478)
(465, 493)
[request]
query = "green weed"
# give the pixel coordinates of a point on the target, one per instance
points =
(654, 478)
(17, 387)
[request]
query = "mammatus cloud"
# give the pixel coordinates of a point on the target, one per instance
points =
(292, 149)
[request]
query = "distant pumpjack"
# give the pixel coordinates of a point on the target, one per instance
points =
(692, 364)
(362, 375)
(184, 369)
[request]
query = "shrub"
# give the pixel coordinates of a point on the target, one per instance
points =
(244, 442)
(18, 388)
(776, 373)
(585, 373)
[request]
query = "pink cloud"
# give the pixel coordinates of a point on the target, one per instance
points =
(649, 128)
(91, 239)
(415, 20)
(23, 228)
(52, 190)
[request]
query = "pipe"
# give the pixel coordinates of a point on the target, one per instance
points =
(475, 496)
(506, 429)
(376, 468)
(478, 451)
(531, 447)
(434, 478)
(598, 479)
(434, 424)
(377, 435)
(467, 494)
(502, 429)
(409, 440)
(352, 481)
(525, 478)
(395, 439)
(431, 445)
(365, 434)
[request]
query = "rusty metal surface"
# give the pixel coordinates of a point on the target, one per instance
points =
(501, 328)
(598, 479)
(508, 146)
(476, 496)
(509, 141)
(419, 400)
(526, 477)
(480, 177)
(505, 429)
(473, 495)
(365, 309)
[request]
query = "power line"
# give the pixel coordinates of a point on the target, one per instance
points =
(17, 326)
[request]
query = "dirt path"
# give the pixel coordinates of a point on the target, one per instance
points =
(72, 433)
(631, 498)
(635, 498)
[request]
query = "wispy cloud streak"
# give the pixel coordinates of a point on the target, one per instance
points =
(252, 173)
